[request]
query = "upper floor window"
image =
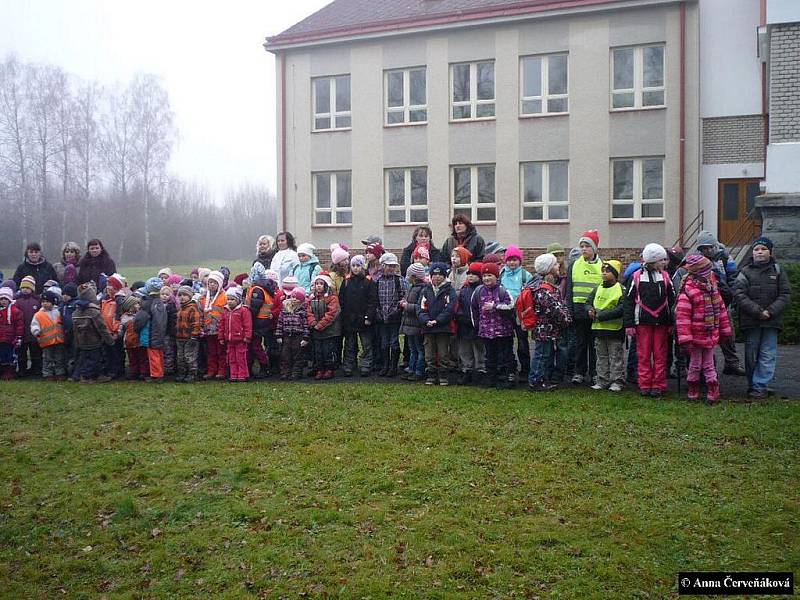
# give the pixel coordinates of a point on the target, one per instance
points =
(545, 191)
(544, 84)
(637, 187)
(637, 77)
(406, 96)
(331, 98)
(473, 192)
(333, 198)
(472, 90)
(407, 195)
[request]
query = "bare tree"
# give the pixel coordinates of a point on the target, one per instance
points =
(154, 136)
(86, 144)
(65, 110)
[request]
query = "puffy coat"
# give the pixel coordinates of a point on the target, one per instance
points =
(28, 304)
(466, 328)
(472, 242)
(12, 327)
(236, 325)
(263, 290)
(653, 294)
(306, 272)
(87, 323)
(41, 272)
(408, 251)
(153, 316)
(689, 317)
(495, 323)
(513, 280)
(358, 300)
(324, 317)
(760, 287)
(91, 267)
(410, 325)
(437, 306)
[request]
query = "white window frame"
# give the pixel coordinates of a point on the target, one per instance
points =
(474, 205)
(333, 209)
(638, 183)
(638, 88)
(330, 112)
(545, 204)
(473, 101)
(544, 86)
(406, 197)
(407, 106)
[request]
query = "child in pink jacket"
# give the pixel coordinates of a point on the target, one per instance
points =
(701, 322)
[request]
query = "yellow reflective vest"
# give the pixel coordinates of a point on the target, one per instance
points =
(586, 276)
(606, 298)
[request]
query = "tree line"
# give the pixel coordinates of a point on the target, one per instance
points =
(80, 160)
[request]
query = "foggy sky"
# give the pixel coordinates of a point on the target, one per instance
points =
(220, 80)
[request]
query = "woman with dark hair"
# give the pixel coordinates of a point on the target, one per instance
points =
(34, 265)
(463, 233)
(95, 262)
(422, 236)
(285, 259)
(265, 249)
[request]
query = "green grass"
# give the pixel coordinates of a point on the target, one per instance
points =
(260, 490)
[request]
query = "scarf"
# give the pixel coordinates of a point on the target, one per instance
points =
(712, 302)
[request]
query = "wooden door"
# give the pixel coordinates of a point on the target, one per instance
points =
(735, 212)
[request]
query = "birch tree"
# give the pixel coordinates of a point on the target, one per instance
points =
(86, 145)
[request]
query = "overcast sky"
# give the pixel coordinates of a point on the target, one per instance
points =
(221, 81)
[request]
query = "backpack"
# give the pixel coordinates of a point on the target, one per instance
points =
(637, 276)
(525, 307)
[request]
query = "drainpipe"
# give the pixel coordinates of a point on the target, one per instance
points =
(283, 141)
(682, 147)
(764, 98)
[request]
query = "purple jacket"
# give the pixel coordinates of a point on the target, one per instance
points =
(493, 324)
(28, 304)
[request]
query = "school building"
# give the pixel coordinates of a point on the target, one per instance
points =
(644, 119)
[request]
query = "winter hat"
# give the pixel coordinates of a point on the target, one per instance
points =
(614, 266)
(137, 285)
(358, 260)
(272, 275)
(115, 282)
(699, 265)
(375, 249)
(7, 293)
(226, 273)
(372, 239)
(195, 271)
(185, 290)
(49, 296)
(27, 282)
(555, 248)
(289, 283)
(240, 278)
(676, 253)
(88, 292)
(464, 254)
(421, 251)
(298, 293)
(544, 263)
(153, 285)
(10, 284)
(492, 258)
(50, 283)
(475, 268)
(174, 279)
(388, 259)
(128, 303)
(323, 276)
(491, 268)
(234, 292)
(706, 238)
(591, 237)
(306, 249)
(258, 272)
(70, 290)
(416, 270)
(514, 252)
(438, 268)
(216, 276)
(764, 241)
(653, 253)
(494, 248)
(165, 271)
(203, 272)
(338, 254)
(56, 290)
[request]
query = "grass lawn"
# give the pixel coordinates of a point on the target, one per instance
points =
(261, 490)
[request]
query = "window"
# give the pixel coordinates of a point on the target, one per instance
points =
(544, 84)
(406, 193)
(545, 191)
(637, 186)
(333, 200)
(637, 77)
(331, 97)
(473, 192)
(406, 96)
(472, 90)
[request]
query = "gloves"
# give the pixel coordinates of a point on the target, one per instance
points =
(631, 331)
(279, 340)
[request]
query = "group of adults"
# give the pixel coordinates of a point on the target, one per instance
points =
(72, 268)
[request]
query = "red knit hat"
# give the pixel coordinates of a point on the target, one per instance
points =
(374, 249)
(464, 254)
(491, 268)
(240, 278)
(115, 282)
(475, 268)
(421, 251)
(591, 237)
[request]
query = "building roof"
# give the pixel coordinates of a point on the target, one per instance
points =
(345, 18)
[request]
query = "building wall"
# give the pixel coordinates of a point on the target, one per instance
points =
(588, 137)
(729, 140)
(783, 174)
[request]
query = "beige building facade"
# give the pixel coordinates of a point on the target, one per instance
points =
(538, 125)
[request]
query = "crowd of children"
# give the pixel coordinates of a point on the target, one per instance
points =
(572, 319)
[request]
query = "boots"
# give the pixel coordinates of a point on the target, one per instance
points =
(384, 363)
(443, 377)
(394, 358)
(694, 390)
(712, 395)
(464, 378)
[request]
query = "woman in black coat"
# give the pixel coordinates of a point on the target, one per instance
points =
(424, 236)
(463, 233)
(95, 262)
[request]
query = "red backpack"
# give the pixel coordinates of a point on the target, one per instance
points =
(526, 309)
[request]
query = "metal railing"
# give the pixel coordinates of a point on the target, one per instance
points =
(740, 241)
(689, 234)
